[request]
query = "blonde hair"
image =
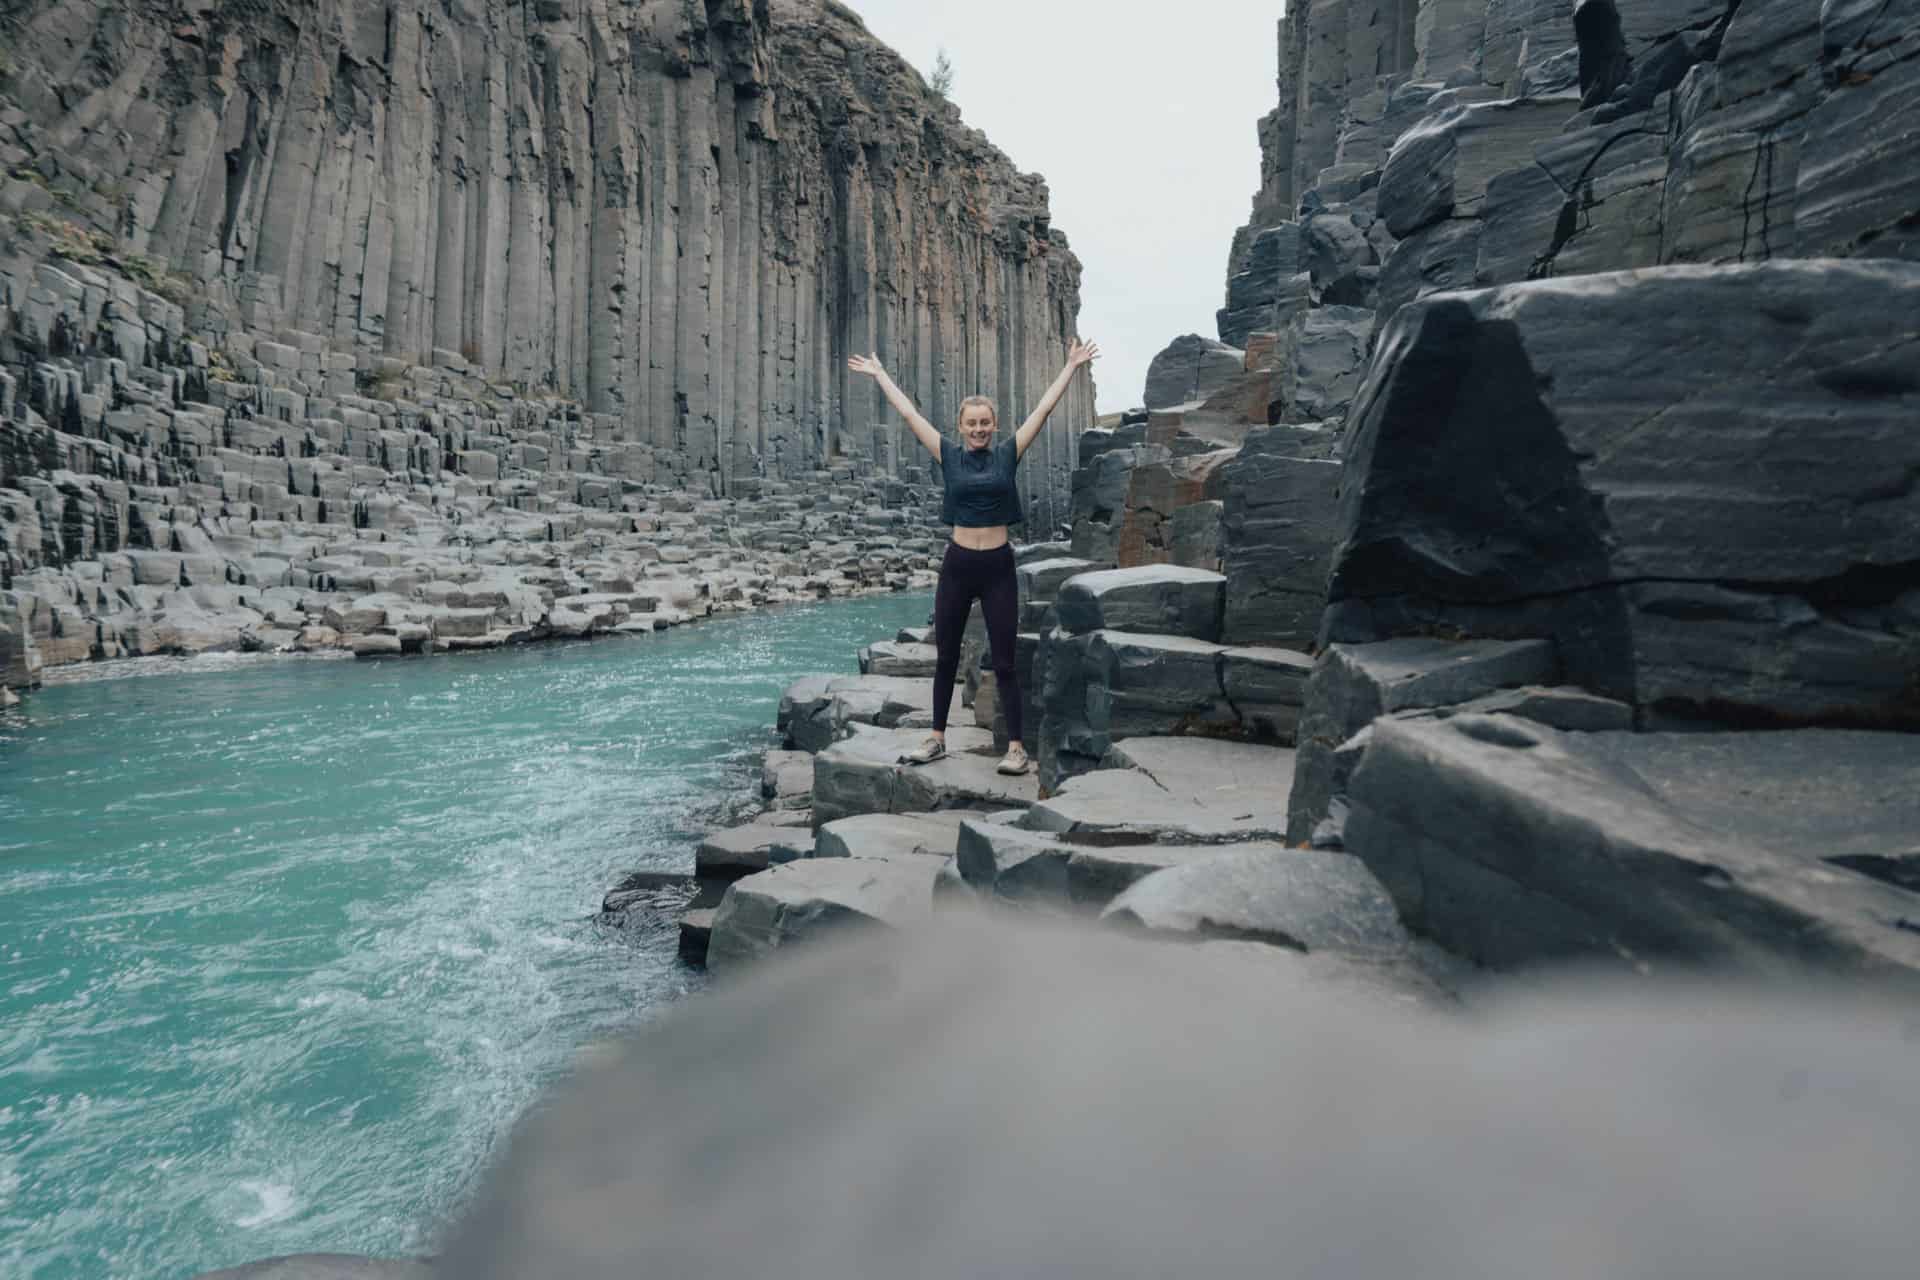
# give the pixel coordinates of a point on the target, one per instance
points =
(971, 401)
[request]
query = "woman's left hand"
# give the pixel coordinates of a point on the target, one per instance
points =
(1081, 353)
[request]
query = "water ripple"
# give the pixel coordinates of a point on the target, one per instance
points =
(285, 946)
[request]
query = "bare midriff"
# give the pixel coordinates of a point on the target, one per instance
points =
(980, 537)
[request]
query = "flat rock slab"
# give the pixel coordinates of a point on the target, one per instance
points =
(1353, 683)
(891, 658)
(1159, 599)
(1208, 767)
(1099, 688)
(1042, 579)
(1126, 807)
(1267, 685)
(993, 854)
(804, 900)
(799, 698)
(1780, 852)
(875, 835)
(1099, 873)
(1307, 899)
(734, 852)
(863, 774)
(844, 701)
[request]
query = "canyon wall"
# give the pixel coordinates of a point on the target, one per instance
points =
(1573, 521)
(682, 215)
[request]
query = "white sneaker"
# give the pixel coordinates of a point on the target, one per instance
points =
(929, 751)
(1015, 762)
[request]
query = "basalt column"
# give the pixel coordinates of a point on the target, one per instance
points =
(685, 215)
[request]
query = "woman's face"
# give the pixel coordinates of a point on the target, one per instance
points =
(976, 426)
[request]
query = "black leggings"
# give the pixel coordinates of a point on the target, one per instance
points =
(965, 574)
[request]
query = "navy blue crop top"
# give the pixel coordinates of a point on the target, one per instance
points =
(980, 489)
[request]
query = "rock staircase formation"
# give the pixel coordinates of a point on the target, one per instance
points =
(1563, 411)
(275, 276)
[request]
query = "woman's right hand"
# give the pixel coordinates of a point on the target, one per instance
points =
(868, 364)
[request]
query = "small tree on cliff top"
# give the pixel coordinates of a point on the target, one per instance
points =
(943, 74)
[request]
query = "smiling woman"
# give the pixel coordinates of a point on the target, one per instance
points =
(981, 502)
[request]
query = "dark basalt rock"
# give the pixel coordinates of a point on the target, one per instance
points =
(1159, 599)
(1305, 899)
(1542, 460)
(1513, 843)
(1351, 685)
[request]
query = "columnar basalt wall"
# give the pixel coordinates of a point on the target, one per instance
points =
(683, 215)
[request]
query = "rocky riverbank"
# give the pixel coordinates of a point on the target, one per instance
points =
(1575, 612)
(1171, 836)
(184, 499)
(487, 358)
(1528, 574)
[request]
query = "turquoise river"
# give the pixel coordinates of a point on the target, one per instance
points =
(287, 944)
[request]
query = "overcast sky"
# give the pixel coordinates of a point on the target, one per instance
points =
(1143, 121)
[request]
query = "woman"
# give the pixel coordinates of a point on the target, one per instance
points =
(980, 502)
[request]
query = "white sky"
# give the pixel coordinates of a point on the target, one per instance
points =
(1143, 122)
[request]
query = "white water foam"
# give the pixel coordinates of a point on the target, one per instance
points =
(274, 1201)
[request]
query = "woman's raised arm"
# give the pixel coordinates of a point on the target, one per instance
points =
(922, 429)
(1080, 353)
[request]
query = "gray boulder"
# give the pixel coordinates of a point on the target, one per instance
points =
(1267, 688)
(733, 852)
(1191, 368)
(993, 854)
(1041, 580)
(803, 901)
(1098, 873)
(1115, 684)
(1353, 684)
(876, 835)
(1160, 599)
(1176, 791)
(1740, 557)
(1306, 899)
(1441, 166)
(786, 779)
(1279, 526)
(891, 658)
(1774, 852)
(845, 701)
(1329, 351)
(1101, 485)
